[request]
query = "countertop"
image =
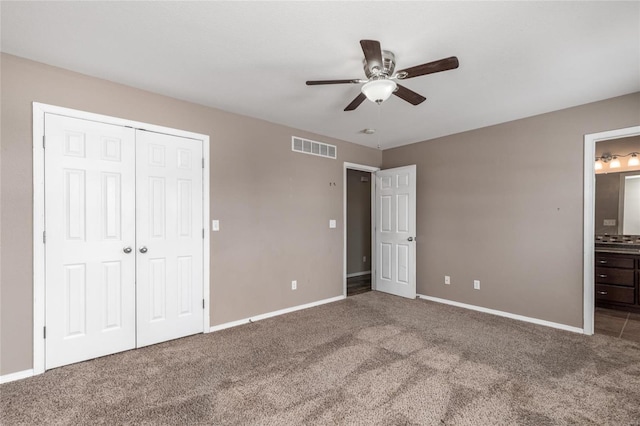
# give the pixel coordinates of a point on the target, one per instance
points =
(617, 250)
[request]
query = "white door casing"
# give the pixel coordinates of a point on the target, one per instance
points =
(169, 228)
(395, 233)
(90, 202)
(588, 296)
(372, 170)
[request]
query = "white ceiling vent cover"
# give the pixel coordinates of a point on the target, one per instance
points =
(320, 149)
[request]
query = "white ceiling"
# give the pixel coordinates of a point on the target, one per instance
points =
(517, 59)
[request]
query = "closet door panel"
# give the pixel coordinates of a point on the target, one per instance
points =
(89, 220)
(169, 237)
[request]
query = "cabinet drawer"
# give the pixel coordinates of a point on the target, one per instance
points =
(612, 293)
(614, 276)
(614, 262)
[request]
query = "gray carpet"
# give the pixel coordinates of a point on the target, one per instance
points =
(370, 359)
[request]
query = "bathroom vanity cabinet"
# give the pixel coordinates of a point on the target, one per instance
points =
(617, 280)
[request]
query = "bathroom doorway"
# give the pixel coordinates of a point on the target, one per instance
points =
(612, 250)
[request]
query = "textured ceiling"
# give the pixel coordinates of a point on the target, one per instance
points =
(517, 59)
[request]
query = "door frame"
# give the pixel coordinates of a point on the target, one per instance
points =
(590, 141)
(39, 111)
(372, 170)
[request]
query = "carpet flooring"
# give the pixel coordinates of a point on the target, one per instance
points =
(371, 359)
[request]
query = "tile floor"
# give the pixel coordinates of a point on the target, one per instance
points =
(624, 325)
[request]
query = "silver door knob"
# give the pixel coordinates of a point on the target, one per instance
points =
(127, 249)
(410, 239)
(143, 249)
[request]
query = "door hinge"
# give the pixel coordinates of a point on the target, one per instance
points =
(203, 233)
(44, 237)
(203, 162)
(43, 141)
(202, 303)
(44, 332)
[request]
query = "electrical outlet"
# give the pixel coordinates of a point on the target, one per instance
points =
(447, 279)
(476, 284)
(364, 259)
(294, 285)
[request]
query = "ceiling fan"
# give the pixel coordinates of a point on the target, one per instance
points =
(379, 66)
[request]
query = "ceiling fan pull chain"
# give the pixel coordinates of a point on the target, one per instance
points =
(379, 122)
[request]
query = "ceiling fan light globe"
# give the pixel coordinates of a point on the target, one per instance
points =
(379, 90)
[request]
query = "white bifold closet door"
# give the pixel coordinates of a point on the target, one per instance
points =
(124, 246)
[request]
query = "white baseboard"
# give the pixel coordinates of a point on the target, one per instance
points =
(274, 313)
(504, 314)
(358, 274)
(16, 376)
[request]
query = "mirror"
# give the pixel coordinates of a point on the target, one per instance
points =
(617, 207)
(629, 210)
(617, 191)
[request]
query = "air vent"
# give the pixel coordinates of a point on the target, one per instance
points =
(320, 149)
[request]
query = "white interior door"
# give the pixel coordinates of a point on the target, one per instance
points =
(169, 237)
(396, 231)
(89, 222)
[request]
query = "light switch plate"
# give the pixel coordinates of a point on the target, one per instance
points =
(332, 223)
(215, 225)
(609, 222)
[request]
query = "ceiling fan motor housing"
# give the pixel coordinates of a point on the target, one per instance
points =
(388, 64)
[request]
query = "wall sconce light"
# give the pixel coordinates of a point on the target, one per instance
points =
(615, 163)
(614, 160)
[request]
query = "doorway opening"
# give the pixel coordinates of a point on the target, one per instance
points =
(358, 226)
(610, 275)
(359, 214)
(617, 238)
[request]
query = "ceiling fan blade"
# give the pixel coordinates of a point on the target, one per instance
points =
(409, 95)
(430, 68)
(356, 102)
(318, 82)
(372, 53)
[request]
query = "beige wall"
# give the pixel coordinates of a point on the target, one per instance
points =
(274, 205)
(358, 221)
(504, 205)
